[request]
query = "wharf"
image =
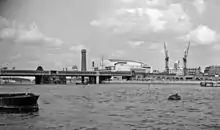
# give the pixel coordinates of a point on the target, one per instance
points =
(153, 82)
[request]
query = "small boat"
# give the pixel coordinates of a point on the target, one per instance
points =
(174, 97)
(18, 102)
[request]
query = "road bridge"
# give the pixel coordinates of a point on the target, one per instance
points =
(63, 73)
(96, 76)
(42, 76)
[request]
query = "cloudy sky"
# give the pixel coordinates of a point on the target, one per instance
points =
(51, 33)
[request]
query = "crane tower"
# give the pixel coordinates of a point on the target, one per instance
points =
(166, 59)
(185, 59)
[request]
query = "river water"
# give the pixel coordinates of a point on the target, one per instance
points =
(117, 107)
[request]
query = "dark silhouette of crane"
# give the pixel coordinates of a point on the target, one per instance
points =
(185, 59)
(166, 59)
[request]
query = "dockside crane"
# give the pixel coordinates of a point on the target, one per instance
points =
(166, 59)
(185, 59)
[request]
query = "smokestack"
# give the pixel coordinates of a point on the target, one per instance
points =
(93, 64)
(83, 60)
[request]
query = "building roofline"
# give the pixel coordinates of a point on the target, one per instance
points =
(118, 60)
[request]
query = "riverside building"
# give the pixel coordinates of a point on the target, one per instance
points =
(139, 68)
(212, 70)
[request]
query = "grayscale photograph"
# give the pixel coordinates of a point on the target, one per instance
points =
(109, 65)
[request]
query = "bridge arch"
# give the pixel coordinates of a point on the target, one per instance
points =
(40, 68)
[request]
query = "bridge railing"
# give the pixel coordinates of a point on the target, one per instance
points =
(23, 72)
(77, 73)
(17, 72)
(116, 73)
(123, 73)
(42, 72)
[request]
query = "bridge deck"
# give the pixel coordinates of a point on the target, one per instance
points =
(63, 73)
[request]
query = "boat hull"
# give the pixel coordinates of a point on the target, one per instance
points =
(18, 109)
(19, 102)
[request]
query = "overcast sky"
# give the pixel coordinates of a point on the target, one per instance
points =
(51, 33)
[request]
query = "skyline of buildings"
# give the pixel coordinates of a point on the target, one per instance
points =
(177, 66)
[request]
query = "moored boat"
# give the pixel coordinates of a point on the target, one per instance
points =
(82, 83)
(209, 84)
(18, 102)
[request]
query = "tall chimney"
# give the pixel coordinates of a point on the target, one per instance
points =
(93, 64)
(83, 60)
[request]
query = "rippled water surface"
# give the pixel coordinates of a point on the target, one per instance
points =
(117, 107)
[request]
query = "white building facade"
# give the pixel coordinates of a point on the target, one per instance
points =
(126, 65)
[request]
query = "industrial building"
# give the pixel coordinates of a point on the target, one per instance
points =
(126, 65)
(176, 70)
(139, 68)
(212, 70)
(193, 71)
(189, 71)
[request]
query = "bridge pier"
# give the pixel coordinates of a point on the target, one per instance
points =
(83, 79)
(92, 80)
(39, 79)
(97, 79)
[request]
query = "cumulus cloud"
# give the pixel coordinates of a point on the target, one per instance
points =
(146, 3)
(4, 23)
(19, 34)
(127, 1)
(155, 19)
(16, 56)
(117, 53)
(135, 43)
(200, 6)
(157, 3)
(59, 61)
(216, 47)
(151, 46)
(78, 47)
(202, 35)
(155, 46)
(147, 16)
(95, 23)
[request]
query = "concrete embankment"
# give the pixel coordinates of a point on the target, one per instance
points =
(154, 82)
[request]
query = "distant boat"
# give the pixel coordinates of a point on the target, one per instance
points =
(18, 102)
(209, 84)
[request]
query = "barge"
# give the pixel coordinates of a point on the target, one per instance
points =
(18, 102)
(210, 84)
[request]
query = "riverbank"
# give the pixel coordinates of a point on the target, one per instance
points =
(133, 82)
(154, 82)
